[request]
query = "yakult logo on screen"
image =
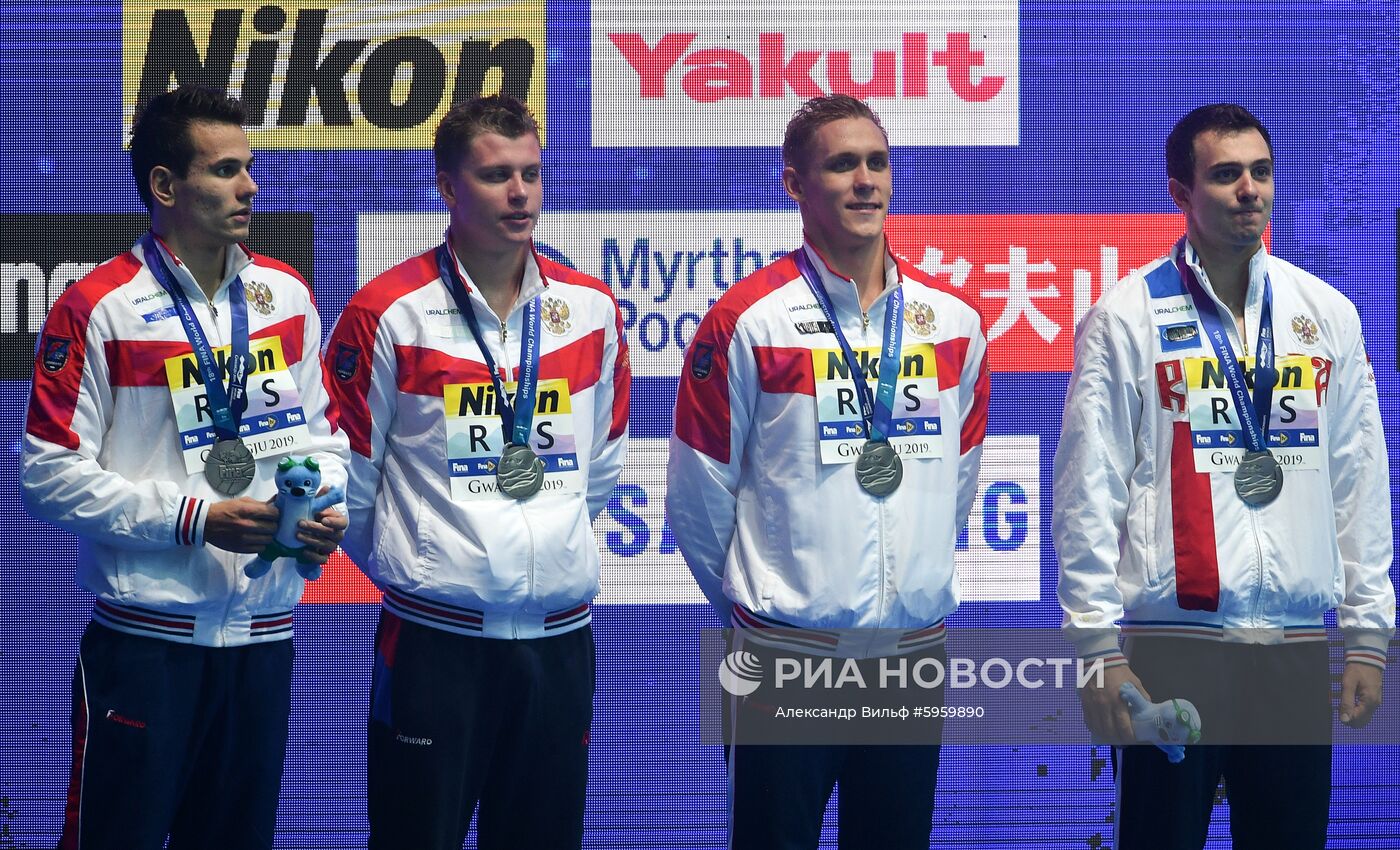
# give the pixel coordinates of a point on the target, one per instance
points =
(715, 73)
(694, 75)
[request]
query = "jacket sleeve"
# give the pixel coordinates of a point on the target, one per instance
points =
(714, 406)
(611, 400)
(62, 479)
(363, 373)
(328, 443)
(1360, 477)
(1094, 462)
(974, 387)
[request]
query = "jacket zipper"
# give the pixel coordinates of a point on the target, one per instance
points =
(529, 532)
(879, 508)
(1253, 519)
(237, 573)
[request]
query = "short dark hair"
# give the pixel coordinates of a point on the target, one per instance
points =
(160, 135)
(816, 113)
(493, 113)
(1225, 118)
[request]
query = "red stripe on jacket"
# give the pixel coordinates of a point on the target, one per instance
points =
(952, 358)
(332, 404)
(127, 614)
(622, 367)
(1193, 527)
(581, 362)
(622, 385)
(785, 370)
(357, 329)
(425, 371)
(259, 625)
(187, 521)
(141, 363)
(702, 400)
(272, 263)
(55, 396)
(789, 370)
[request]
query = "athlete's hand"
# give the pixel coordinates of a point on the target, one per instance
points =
(1361, 694)
(240, 525)
(1105, 712)
(323, 534)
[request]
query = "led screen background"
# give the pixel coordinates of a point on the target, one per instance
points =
(1031, 197)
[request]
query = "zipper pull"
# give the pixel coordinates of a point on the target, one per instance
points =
(504, 332)
(213, 309)
(865, 321)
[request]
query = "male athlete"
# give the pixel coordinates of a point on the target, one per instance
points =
(828, 433)
(168, 385)
(1221, 483)
(484, 389)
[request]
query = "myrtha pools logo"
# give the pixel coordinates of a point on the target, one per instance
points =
(740, 673)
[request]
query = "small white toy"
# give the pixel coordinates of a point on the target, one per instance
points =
(298, 479)
(1171, 725)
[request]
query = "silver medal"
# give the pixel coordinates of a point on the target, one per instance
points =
(229, 466)
(879, 469)
(1258, 478)
(521, 473)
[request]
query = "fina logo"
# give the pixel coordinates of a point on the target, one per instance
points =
(740, 673)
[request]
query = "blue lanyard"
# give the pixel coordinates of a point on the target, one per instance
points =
(226, 406)
(516, 418)
(876, 412)
(1254, 418)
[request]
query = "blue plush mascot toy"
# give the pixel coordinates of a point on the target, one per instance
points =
(298, 479)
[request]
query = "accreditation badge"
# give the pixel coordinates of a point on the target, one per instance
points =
(1217, 441)
(916, 428)
(273, 424)
(475, 443)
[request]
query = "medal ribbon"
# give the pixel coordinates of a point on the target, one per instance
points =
(225, 405)
(877, 411)
(1254, 418)
(515, 418)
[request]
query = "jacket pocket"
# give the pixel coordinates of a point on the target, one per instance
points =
(1149, 531)
(400, 541)
(1142, 538)
(125, 585)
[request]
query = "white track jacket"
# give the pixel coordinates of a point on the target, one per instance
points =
(761, 520)
(449, 551)
(1147, 523)
(108, 443)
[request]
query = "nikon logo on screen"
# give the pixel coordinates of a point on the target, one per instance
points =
(337, 75)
